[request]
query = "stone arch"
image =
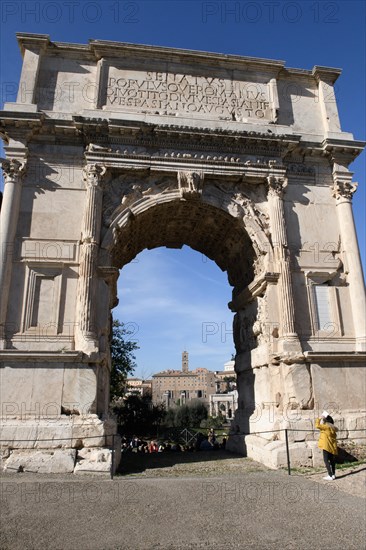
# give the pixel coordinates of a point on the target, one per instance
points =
(206, 228)
(218, 208)
(219, 219)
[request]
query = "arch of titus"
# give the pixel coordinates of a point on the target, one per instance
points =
(112, 148)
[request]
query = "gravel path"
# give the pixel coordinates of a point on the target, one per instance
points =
(231, 503)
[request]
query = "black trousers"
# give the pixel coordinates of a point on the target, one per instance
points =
(329, 461)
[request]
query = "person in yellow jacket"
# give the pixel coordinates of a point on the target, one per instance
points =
(327, 442)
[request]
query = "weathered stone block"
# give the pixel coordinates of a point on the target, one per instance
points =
(31, 390)
(297, 384)
(93, 461)
(37, 433)
(64, 431)
(299, 429)
(79, 389)
(90, 431)
(300, 455)
(316, 453)
(348, 391)
(41, 462)
(260, 356)
(273, 453)
(356, 426)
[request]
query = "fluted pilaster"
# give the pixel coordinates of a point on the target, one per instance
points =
(86, 338)
(276, 189)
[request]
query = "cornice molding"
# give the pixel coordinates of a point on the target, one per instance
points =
(34, 42)
(97, 49)
(82, 130)
(41, 356)
(330, 356)
(326, 74)
(342, 150)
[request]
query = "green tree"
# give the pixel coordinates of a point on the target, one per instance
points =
(213, 422)
(122, 358)
(184, 416)
(197, 412)
(137, 415)
(170, 418)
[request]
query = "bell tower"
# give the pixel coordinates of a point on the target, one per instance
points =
(185, 361)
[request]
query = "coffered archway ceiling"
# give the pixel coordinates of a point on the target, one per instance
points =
(203, 227)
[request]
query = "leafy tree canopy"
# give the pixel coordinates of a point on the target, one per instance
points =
(187, 415)
(213, 422)
(137, 415)
(123, 359)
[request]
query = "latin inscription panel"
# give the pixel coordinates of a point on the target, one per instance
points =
(168, 93)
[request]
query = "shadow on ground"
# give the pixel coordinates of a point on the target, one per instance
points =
(345, 456)
(346, 474)
(133, 463)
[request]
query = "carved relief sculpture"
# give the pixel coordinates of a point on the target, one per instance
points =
(190, 184)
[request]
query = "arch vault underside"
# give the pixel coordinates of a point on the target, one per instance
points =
(86, 192)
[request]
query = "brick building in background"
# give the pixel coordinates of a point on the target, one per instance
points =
(176, 387)
(138, 386)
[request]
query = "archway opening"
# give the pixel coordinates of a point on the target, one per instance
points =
(183, 224)
(175, 300)
(205, 228)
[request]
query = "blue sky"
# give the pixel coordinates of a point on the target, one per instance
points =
(174, 300)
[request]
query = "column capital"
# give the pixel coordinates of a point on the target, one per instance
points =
(343, 188)
(13, 169)
(93, 174)
(276, 185)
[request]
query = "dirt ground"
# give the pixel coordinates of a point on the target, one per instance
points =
(351, 478)
(185, 501)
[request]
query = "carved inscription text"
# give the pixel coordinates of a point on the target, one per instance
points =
(168, 93)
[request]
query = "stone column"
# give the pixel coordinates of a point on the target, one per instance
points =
(86, 336)
(289, 337)
(342, 191)
(13, 171)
